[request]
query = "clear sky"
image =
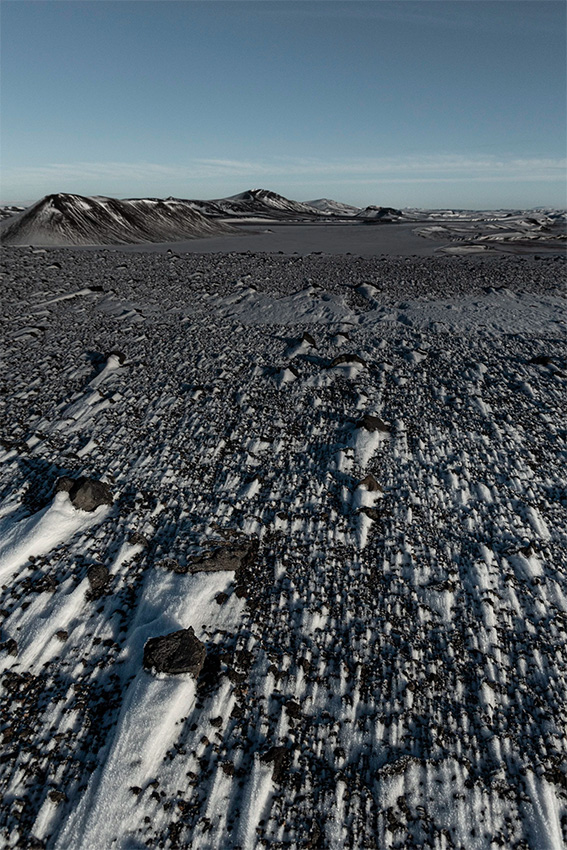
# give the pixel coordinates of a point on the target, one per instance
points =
(402, 103)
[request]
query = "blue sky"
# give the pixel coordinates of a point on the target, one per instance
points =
(402, 103)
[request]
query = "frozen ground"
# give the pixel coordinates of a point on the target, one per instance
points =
(385, 438)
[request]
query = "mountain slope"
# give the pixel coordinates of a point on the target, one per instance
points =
(327, 205)
(263, 202)
(65, 219)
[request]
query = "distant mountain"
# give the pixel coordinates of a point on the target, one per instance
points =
(379, 214)
(326, 205)
(9, 211)
(64, 219)
(263, 203)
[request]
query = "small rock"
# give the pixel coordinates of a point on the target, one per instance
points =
(98, 576)
(371, 513)
(371, 484)
(221, 598)
(308, 338)
(57, 796)
(293, 709)
(224, 558)
(178, 652)
(542, 360)
(86, 494)
(373, 423)
(280, 757)
(62, 635)
(10, 646)
(341, 359)
(137, 539)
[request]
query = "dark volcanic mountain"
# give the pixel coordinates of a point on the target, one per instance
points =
(262, 202)
(64, 219)
(379, 214)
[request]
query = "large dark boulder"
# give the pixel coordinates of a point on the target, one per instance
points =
(178, 652)
(86, 494)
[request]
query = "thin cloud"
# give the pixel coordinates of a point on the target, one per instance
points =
(143, 178)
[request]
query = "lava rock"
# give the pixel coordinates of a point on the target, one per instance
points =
(98, 576)
(346, 359)
(178, 652)
(10, 646)
(371, 513)
(280, 757)
(86, 494)
(373, 423)
(293, 709)
(232, 558)
(137, 539)
(370, 483)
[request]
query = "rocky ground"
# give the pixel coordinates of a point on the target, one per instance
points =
(339, 483)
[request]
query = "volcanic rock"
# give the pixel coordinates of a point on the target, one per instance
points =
(373, 423)
(280, 757)
(98, 576)
(224, 558)
(86, 494)
(178, 652)
(346, 359)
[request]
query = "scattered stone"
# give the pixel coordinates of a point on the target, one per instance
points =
(293, 709)
(347, 359)
(370, 483)
(10, 646)
(216, 722)
(172, 565)
(315, 838)
(86, 494)
(280, 757)
(178, 652)
(373, 423)
(542, 360)
(137, 539)
(228, 768)
(371, 513)
(224, 558)
(57, 796)
(99, 577)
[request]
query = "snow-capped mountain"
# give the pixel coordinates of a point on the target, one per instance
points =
(327, 205)
(263, 202)
(65, 219)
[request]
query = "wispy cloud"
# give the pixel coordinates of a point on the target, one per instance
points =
(143, 178)
(441, 165)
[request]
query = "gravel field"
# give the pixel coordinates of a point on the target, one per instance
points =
(338, 482)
